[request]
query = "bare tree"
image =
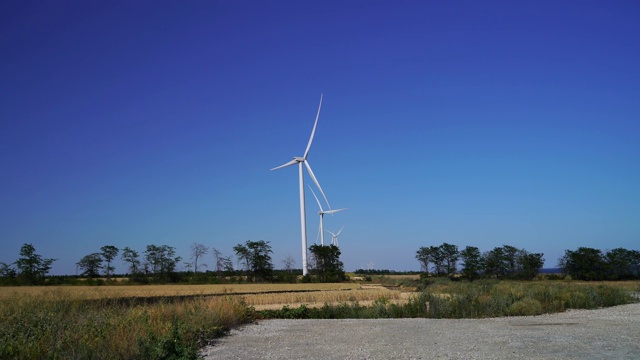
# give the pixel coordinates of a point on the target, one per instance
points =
(288, 263)
(223, 263)
(197, 252)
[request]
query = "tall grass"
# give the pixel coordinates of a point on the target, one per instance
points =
(55, 325)
(479, 299)
(492, 299)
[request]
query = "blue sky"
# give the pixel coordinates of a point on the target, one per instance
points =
(474, 123)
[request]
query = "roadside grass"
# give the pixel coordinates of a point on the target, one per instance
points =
(57, 325)
(479, 299)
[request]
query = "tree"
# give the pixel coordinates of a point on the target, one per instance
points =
(510, 259)
(91, 265)
(223, 263)
(620, 264)
(257, 259)
(528, 264)
(133, 258)
(109, 252)
(423, 255)
(472, 262)
(162, 260)
(32, 268)
(288, 263)
(327, 265)
(450, 254)
(583, 264)
(495, 263)
(6, 271)
(197, 252)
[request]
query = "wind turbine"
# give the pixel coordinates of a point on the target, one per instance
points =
(303, 217)
(334, 237)
(321, 213)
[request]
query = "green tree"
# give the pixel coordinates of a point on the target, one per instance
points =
(438, 258)
(326, 263)
(450, 255)
(91, 265)
(423, 255)
(162, 260)
(510, 259)
(528, 264)
(6, 271)
(495, 262)
(584, 264)
(257, 259)
(132, 258)
(108, 253)
(620, 264)
(32, 267)
(472, 262)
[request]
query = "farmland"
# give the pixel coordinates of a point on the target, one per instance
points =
(146, 321)
(161, 321)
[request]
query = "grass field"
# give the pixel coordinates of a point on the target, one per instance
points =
(125, 291)
(102, 322)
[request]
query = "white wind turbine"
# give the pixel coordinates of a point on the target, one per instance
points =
(321, 213)
(303, 218)
(334, 236)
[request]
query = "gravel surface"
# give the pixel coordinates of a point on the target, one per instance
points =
(611, 333)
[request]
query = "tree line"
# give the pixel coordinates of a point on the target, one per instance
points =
(593, 264)
(159, 264)
(502, 262)
(509, 262)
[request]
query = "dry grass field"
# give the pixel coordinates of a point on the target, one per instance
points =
(120, 291)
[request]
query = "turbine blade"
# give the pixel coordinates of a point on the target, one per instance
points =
(318, 201)
(330, 232)
(340, 230)
(306, 152)
(315, 180)
(334, 211)
(292, 162)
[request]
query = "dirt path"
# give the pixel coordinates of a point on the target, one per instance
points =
(612, 333)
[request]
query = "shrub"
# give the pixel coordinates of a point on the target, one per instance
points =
(525, 307)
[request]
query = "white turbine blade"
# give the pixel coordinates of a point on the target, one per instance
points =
(318, 201)
(334, 211)
(330, 232)
(306, 152)
(340, 230)
(292, 162)
(315, 180)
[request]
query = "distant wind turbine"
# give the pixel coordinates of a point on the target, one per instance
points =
(321, 213)
(303, 217)
(334, 236)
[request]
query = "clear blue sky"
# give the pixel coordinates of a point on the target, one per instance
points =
(479, 123)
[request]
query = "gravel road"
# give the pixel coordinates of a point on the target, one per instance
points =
(611, 333)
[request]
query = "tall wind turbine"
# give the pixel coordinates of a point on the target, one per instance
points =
(303, 217)
(321, 213)
(334, 236)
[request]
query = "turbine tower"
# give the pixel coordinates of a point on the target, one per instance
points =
(334, 236)
(321, 213)
(303, 217)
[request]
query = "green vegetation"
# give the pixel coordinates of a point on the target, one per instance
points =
(59, 326)
(502, 262)
(480, 299)
(326, 264)
(592, 264)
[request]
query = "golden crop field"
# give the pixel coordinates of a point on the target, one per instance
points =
(125, 291)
